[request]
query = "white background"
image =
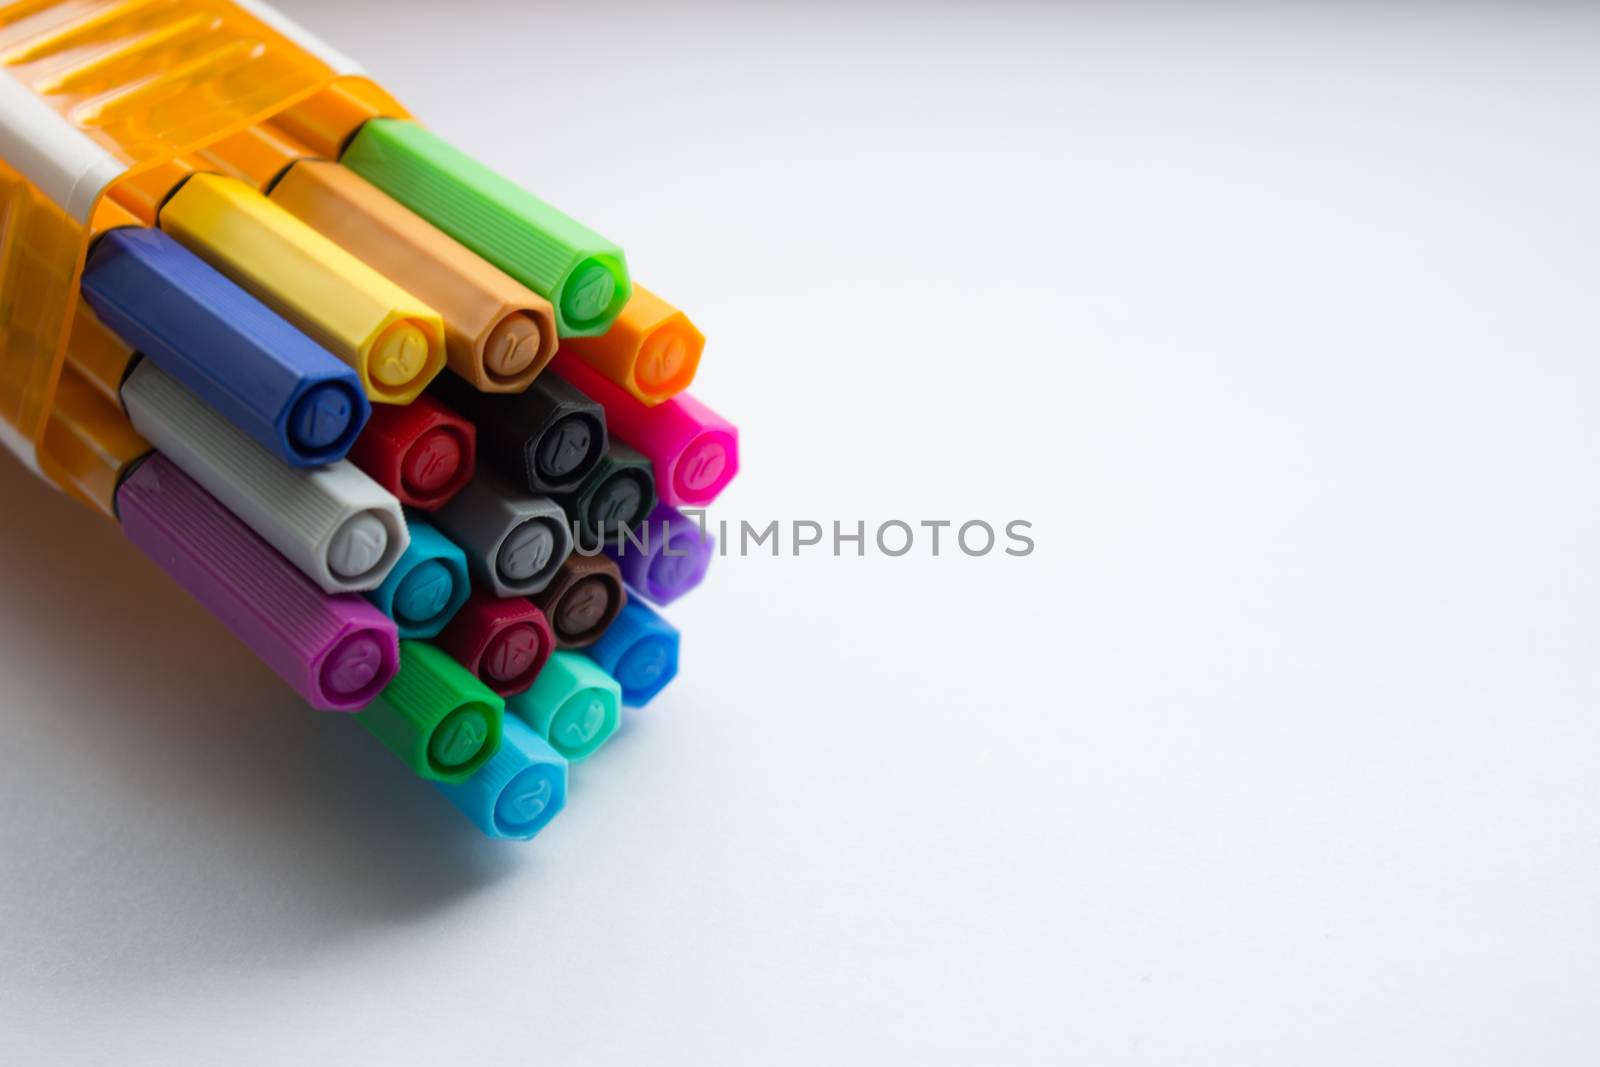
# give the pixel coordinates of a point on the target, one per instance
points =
(1279, 323)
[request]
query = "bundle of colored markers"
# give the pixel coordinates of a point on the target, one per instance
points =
(409, 433)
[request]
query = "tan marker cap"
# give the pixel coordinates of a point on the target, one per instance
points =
(498, 334)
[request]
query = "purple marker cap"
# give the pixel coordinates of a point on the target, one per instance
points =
(668, 558)
(336, 650)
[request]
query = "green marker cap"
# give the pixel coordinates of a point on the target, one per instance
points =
(583, 275)
(440, 720)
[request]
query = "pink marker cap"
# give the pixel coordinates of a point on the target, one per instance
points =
(336, 650)
(695, 451)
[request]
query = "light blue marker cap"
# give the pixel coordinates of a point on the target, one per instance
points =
(520, 789)
(639, 650)
(573, 704)
(428, 586)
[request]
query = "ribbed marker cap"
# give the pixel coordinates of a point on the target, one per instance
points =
(394, 341)
(266, 377)
(504, 642)
(336, 524)
(695, 450)
(616, 497)
(546, 439)
(514, 542)
(498, 334)
(667, 556)
(335, 651)
(582, 599)
(652, 350)
(423, 452)
(520, 789)
(441, 721)
(639, 650)
(583, 275)
(573, 704)
(427, 586)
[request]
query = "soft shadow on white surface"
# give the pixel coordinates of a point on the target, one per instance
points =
(171, 805)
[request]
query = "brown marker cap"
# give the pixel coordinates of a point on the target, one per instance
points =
(582, 600)
(498, 333)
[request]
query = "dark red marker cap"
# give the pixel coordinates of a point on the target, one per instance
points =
(504, 642)
(422, 452)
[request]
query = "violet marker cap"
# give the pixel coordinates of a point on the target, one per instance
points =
(336, 650)
(667, 557)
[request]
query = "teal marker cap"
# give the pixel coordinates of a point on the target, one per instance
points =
(520, 789)
(573, 704)
(583, 275)
(427, 586)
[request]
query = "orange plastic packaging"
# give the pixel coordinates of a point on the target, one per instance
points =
(103, 98)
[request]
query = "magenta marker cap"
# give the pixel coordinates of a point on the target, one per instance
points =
(695, 451)
(336, 650)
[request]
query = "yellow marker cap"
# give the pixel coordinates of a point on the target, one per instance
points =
(499, 334)
(394, 341)
(652, 350)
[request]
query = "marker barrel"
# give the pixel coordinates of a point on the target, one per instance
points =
(546, 439)
(639, 650)
(573, 704)
(269, 379)
(441, 721)
(652, 350)
(427, 586)
(582, 599)
(336, 524)
(422, 452)
(669, 558)
(583, 275)
(515, 542)
(520, 789)
(394, 341)
(337, 652)
(617, 496)
(505, 643)
(498, 334)
(695, 450)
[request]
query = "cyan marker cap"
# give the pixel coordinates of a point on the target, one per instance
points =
(639, 650)
(573, 704)
(427, 586)
(520, 789)
(285, 391)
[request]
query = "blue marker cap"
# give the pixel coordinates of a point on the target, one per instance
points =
(520, 789)
(427, 586)
(266, 377)
(639, 650)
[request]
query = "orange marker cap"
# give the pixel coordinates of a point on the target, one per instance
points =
(257, 154)
(89, 443)
(330, 118)
(652, 350)
(499, 334)
(98, 355)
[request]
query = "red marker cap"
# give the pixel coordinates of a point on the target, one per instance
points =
(504, 642)
(422, 452)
